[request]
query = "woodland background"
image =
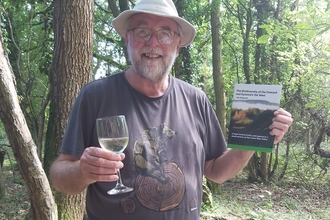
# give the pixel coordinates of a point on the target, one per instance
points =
(50, 49)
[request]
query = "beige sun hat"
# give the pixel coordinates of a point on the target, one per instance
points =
(162, 8)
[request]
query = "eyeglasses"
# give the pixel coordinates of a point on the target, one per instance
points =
(143, 35)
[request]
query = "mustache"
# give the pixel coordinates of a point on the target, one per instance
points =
(157, 51)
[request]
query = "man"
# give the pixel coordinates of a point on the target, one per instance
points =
(174, 139)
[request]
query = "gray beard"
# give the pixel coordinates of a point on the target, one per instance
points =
(154, 72)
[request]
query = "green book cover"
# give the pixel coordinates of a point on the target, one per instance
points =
(251, 115)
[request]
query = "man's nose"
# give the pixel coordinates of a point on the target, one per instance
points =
(153, 40)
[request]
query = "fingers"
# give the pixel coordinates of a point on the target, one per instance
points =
(105, 154)
(281, 124)
(97, 164)
(282, 112)
(92, 177)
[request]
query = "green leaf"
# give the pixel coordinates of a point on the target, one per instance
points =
(302, 25)
(310, 105)
(263, 39)
(264, 26)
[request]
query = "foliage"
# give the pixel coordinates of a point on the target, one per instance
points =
(242, 200)
(109, 56)
(302, 194)
(28, 36)
(15, 204)
(289, 198)
(291, 38)
(3, 136)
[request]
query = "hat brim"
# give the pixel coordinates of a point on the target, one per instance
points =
(188, 30)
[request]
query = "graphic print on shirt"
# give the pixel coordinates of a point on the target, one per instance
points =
(160, 183)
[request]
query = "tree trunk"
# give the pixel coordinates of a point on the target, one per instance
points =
(264, 165)
(253, 167)
(307, 142)
(20, 139)
(2, 185)
(29, 63)
(217, 73)
(217, 65)
(246, 42)
(263, 10)
(2, 182)
(71, 70)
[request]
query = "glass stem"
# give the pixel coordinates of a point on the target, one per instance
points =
(119, 181)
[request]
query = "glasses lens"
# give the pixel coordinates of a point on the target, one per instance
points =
(144, 35)
(165, 36)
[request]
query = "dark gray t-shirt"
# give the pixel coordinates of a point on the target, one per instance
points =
(170, 138)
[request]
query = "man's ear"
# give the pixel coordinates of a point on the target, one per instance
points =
(177, 51)
(126, 38)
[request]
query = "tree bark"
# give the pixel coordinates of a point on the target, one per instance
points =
(246, 30)
(2, 182)
(263, 10)
(317, 149)
(24, 148)
(217, 73)
(219, 86)
(264, 166)
(71, 70)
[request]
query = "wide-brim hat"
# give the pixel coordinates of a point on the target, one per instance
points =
(162, 8)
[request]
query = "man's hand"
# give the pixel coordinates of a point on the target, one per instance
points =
(97, 164)
(281, 123)
(71, 175)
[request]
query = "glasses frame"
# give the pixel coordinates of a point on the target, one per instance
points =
(144, 40)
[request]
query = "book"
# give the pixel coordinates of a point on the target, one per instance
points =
(251, 115)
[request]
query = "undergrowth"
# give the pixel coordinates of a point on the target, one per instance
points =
(302, 194)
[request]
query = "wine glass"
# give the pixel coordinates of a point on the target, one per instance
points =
(112, 134)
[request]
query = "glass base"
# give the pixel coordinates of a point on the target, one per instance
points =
(119, 190)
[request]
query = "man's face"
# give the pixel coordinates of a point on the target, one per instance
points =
(152, 59)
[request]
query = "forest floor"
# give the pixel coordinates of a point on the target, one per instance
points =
(237, 200)
(16, 203)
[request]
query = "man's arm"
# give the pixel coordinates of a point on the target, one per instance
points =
(66, 176)
(71, 175)
(227, 165)
(233, 161)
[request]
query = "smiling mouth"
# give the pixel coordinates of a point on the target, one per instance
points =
(151, 55)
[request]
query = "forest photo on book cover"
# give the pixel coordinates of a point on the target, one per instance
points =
(251, 121)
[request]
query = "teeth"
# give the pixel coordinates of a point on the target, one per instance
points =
(150, 55)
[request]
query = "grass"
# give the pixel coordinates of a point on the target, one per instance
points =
(302, 195)
(16, 204)
(240, 199)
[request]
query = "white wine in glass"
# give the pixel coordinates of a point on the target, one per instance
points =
(112, 133)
